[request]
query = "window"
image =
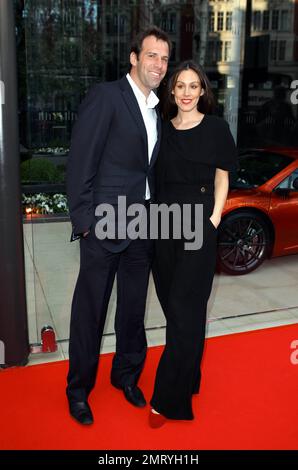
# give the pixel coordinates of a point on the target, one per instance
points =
(273, 50)
(73, 56)
(287, 183)
(122, 24)
(227, 53)
(220, 21)
(172, 28)
(219, 45)
(188, 27)
(256, 168)
(211, 21)
(211, 52)
(282, 50)
(156, 18)
(164, 22)
(229, 17)
(108, 24)
(265, 20)
(256, 21)
(284, 26)
(115, 24)
(275, 18)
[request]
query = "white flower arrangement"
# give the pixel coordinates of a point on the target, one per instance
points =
(45, 203)
(52, 150)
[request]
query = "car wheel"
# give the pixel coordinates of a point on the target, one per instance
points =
(243, 243)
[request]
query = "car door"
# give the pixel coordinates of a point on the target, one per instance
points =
(284, 215)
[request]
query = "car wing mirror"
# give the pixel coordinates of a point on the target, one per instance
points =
(295, 184)
(282, 192)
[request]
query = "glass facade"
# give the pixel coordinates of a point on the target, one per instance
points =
(249, 49)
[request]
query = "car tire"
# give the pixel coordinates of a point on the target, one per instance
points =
(243, 243)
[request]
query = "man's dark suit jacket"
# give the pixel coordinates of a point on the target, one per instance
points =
(108, 155)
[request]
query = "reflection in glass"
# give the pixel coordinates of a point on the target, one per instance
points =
(247, 49)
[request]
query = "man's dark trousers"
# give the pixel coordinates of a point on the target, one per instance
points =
(89, 307)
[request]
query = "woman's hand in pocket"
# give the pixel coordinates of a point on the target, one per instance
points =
(215, 220)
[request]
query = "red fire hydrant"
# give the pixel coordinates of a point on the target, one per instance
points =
(48, 339)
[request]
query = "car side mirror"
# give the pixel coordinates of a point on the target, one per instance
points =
(295, 183)
(282, 192)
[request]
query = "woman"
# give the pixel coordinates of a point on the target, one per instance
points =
(197, 152)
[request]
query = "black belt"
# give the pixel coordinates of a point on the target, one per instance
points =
(202, 188)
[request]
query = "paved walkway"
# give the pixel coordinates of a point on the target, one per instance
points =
(264, 298)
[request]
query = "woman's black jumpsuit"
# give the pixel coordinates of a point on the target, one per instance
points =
(183, 278)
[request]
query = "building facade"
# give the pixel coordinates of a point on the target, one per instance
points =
(249, 49)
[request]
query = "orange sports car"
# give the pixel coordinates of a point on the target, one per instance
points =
(260, 218)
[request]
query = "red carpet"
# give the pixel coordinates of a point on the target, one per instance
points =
(248, 400)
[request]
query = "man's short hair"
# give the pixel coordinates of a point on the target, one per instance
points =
(158, 33)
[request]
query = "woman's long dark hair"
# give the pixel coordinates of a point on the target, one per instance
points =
(206, 102)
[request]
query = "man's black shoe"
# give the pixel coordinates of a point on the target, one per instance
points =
(134, 395)
(81, 412)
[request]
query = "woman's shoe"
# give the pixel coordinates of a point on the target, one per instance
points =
(156, 420)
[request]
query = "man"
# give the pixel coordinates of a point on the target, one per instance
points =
(113, 151)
